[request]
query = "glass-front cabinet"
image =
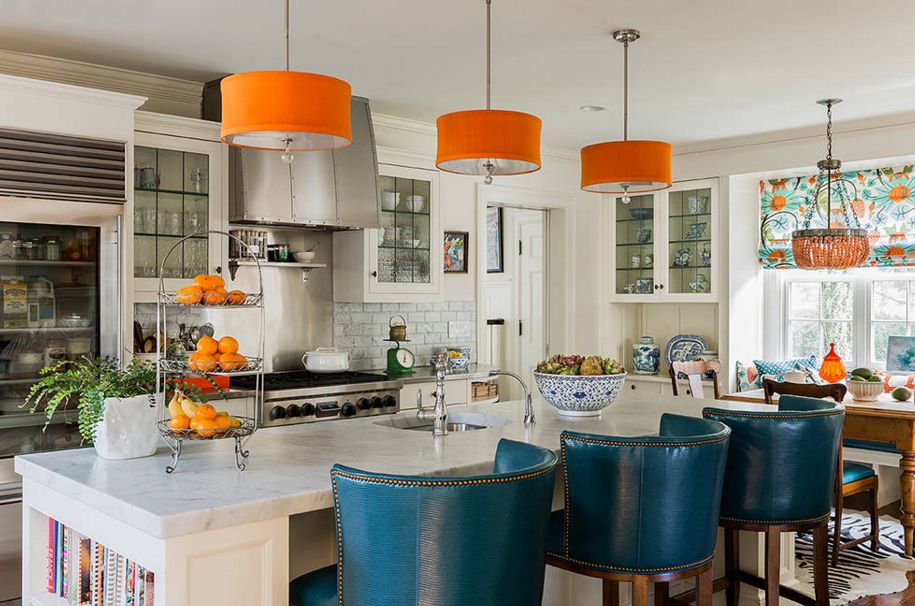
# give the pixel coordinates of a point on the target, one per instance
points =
(666, 246)
(407, 247)
(177, 194)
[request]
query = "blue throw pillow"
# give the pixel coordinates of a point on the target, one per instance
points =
(777, 367)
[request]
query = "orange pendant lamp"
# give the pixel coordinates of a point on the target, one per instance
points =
(626, 167)
(488, 141)
(286, 111)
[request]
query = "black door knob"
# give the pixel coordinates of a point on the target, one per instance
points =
(348, 410)
(363, 404)
(277, 412)
(308, 410)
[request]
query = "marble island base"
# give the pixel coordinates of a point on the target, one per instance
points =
(214, 535)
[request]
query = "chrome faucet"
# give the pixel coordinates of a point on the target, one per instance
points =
(439, 413)
(528, 400)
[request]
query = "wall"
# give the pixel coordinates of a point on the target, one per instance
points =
(361, 329)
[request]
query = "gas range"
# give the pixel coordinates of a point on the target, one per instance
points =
(301, 396)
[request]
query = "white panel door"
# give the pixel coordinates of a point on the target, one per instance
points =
(531, 292)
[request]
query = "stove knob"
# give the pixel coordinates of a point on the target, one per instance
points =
(390, 401)
(348, 410)
(363, 404)
(293, 410)
(308, 410)
(376, 402)
(277, 412)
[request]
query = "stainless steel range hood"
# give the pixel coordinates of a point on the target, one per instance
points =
(330, 190)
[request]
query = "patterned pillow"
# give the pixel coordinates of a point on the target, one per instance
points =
(747, 376)
(777, 367)
(892, 381)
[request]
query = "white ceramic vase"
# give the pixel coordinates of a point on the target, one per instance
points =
(127, 429)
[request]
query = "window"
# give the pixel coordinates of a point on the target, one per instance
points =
(857, 310)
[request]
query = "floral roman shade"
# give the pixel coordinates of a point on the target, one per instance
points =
(882, 200)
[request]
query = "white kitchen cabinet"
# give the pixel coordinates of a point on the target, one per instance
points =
(403, 257)
(664, 247)
(180, 188)
(659, 385)
(457, 391)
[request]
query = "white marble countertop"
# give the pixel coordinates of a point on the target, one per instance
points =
(288, 471)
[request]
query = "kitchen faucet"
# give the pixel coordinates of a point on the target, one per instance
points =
(439, 412)
(528, 402)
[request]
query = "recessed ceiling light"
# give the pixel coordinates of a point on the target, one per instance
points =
(591, 108)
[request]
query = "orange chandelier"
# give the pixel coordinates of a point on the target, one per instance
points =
(830, 247)
(285, 110)
(488, 141)
(626, 167)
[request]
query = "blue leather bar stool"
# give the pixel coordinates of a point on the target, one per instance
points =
(780, 477)
(443, 541)
(642, 509)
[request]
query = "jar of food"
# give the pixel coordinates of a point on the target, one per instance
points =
(37, 249)
(24, 250)
(7, 250)
(51, 249)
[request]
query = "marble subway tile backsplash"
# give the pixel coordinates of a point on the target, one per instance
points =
(361, 328)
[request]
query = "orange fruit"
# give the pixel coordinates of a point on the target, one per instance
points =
(216, 296)
(203, 281)
(236, 297)
(202, 363)
(207, 345)
(179, 422)
(206, 428)
(228, 345)
(189, 295)
(222, 423)
(217, 282)
(205, 411)
(194, 423)
(230, 362)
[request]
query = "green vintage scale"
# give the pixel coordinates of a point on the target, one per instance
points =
(400, 359)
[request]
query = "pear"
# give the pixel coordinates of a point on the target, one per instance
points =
(188, 407)
(174, 406)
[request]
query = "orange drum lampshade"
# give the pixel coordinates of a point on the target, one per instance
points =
(469, 140)
(284, 110)
(832, 370)
(640, 165)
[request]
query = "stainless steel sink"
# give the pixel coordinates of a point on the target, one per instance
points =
(457, 421)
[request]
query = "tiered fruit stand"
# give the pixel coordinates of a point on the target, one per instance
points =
(172, 362)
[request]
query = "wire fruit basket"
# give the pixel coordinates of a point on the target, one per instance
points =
(173, 365)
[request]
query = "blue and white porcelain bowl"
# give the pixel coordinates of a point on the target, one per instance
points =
(579, 395)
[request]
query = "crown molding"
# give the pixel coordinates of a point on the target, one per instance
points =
(174, 93)
(178, 126)
(18, 84)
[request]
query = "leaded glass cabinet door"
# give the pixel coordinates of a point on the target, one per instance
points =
(634, 226)
(691, 243)
(407, 249)
(177, 194)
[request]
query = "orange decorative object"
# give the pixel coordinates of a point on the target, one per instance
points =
(620, 167)
(286, 110)
(832, 370)
(507, 141)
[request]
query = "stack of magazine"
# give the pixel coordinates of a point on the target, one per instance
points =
(83, 571)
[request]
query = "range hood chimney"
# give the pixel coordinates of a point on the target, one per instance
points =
(328, 190)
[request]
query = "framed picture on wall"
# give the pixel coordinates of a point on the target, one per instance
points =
(494, 249)
(900, 354)
(455, 251)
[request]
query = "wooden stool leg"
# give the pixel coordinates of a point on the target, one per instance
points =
(611, 593)
(704, 589)
(837, 530)
(640, 591)
(661, 593)
(773, 566)
(820, 567)
(875, 521)
(731, 565)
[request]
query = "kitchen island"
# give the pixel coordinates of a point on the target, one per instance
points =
(215, 535)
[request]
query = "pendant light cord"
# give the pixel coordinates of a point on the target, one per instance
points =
(626, 90)
(488, 54)
(829, 161)
(287, 35)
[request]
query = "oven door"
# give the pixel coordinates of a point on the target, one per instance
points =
(10, 533)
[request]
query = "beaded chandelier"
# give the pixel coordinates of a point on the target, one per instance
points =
(830, 247)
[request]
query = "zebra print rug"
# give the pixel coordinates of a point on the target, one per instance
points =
(860, 571)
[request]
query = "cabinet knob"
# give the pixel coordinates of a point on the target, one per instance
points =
(656, 287)
(661, 287)
(631, 386)
(374, 274)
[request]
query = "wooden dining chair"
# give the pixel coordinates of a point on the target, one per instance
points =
(696, 371)
(851, 478)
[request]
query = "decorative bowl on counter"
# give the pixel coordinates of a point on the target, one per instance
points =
(579, 395)
(865, 391)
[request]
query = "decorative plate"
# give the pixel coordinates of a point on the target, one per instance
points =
(682, 348)
(696, 231)
(641, 214)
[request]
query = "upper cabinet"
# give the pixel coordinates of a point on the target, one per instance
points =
(402, 257)
(665, 245)
(178, 193)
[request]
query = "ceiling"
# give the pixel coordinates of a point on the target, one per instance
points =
(704, 69)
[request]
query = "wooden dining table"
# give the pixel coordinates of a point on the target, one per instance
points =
(885, 420)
